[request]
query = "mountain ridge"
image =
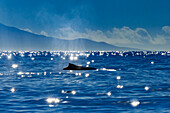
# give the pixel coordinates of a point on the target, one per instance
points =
(12, 38)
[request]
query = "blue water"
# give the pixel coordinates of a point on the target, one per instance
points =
(123, 82)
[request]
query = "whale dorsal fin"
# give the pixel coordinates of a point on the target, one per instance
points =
(75, 67)
(70, 65)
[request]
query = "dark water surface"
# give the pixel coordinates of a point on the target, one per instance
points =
(124, 82)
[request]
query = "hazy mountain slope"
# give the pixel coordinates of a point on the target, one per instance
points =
(12, 38)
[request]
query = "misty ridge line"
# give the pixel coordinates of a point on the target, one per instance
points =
(12, 38)
(142, 42)
(119, 24)
(125, 36)
(122, 35)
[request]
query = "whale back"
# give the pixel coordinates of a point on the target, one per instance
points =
(75, 67)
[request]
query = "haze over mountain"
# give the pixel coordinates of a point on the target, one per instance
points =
(134, 24)
(12, 38)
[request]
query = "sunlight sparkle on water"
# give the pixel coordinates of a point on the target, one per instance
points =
(27, 73)
(20, 73)
(76, 58)
(135, 103)
(111, 70)
(62, 91)
(86, 75)
(118, 77)
(51, 105)
(9, 57)
(73, 58)
(73, 92)
(120, 86)
(14, 66)
(109, 93)
(88, 63)
(22, 55)
(71, 71)
(12, 90)
(45, 73)
(104, 69)
(53, 100)
(146, 88)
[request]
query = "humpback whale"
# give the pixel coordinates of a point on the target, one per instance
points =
(75, 67)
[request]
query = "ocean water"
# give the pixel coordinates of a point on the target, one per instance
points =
(127, 82)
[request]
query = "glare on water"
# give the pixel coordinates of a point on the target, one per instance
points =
(12, 90)
(152, 62)
(53, 100)
(109, 93)
(120, 86)
(146, 88)
(135, 103)
(86, 75)
(9, 57)
(20, 73)
(73, 92)
(32, 58)
(113, 84)
(118, 77)
(14, 66)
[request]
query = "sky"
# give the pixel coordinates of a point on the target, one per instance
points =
(129, 23)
